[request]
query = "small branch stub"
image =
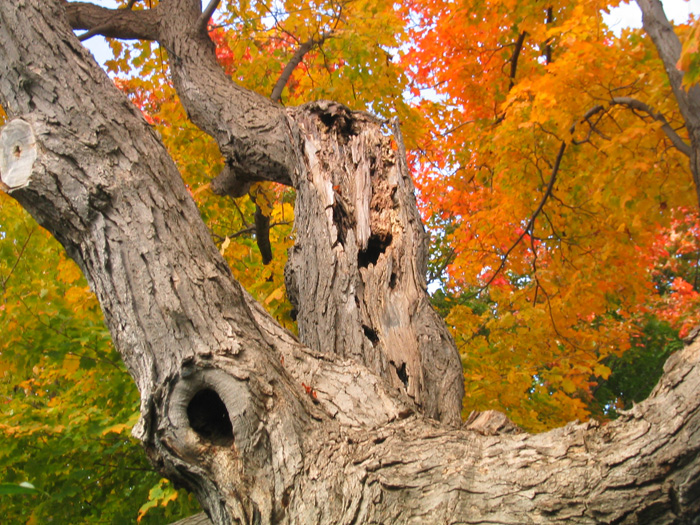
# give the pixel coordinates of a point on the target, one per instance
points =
(17, 154)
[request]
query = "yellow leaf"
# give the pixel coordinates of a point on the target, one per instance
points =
(568, 386)
(71, 363)
(277, 295)
(117, 429)
(602, 371)
(68, 271)
(225, 245)
(77, 294)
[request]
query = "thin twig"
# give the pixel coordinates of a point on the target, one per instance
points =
(63, 334)
(531, 222)
(19, 257)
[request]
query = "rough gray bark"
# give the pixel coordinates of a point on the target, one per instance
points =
(374, 239)
(262, 428)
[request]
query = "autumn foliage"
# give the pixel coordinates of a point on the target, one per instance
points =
(569, 221)
(565, 224)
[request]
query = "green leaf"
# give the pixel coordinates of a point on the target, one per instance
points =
(25, 488)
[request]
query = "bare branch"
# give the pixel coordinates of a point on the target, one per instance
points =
(531, 222)
(262, 234)
(548, 43)
(291, 65)
(665, 39)
(514, 59)
(638, 105)
(207, 14)
(19, 258)
(635, 105)
(668, 46)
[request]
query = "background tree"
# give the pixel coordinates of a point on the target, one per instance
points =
(567, 159)
(232, 407)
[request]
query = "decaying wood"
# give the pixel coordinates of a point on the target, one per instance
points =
(357, 279)
(263, 428)
(356, 273)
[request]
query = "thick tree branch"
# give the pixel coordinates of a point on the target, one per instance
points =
(254, 137)
(548, 43)
(514, 59)
(261, 141)
(262, 235)
(125, 24)
(297, 436)
(666, 42)
(292, 64)
(103, 184)
(262, 222)
(253, 133)
(92, 32)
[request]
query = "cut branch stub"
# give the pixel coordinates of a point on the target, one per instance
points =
(17, 154)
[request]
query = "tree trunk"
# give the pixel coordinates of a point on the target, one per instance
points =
(262, 428)
(356, 274)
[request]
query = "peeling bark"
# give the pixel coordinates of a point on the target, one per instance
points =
(262, 428)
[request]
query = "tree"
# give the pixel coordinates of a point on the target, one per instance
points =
(361, 421)
(567, 160)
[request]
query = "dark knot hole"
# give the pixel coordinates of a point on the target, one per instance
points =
(209, 418)
(403, 375)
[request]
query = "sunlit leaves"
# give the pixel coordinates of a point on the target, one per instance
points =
(511, 89)
(67, 403)
(689, 61)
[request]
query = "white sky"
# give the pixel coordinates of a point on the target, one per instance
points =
(629, 15)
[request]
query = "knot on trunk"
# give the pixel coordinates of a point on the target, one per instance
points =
(212, 438)
(211, 408)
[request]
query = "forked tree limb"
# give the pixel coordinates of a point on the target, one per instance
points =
(637, 105)
(529, 228)
(311, 437)
(125, 24)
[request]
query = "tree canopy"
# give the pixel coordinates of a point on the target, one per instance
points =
(553, 172)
